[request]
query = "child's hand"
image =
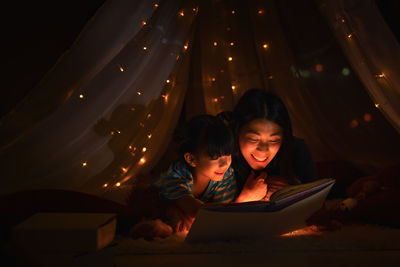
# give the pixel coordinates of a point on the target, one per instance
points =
(254, 189)
(178, 220)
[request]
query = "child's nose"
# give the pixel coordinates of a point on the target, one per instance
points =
(223, 162)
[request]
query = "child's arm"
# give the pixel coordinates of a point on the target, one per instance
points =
(181, 215)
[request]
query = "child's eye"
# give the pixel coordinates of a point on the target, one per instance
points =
(251, 140)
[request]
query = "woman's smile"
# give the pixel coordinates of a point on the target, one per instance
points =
(259, 159)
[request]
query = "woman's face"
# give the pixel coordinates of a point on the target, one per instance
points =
(259, 141)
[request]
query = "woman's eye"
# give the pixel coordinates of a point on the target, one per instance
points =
(275, 141)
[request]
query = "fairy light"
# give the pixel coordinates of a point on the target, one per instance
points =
(118, 184)
(149, 136)
(233, 87)
(149, 116)
(319, 67)
(382, 75)
(105, 185)
(144, 149)
(84, 164)
(142, 161)
(139, 92)
(121, 68)
(81, 96)
(377, 105)
(144, 23)
(215, 43)
(186, 46)
(260, 12)
(342, 20)
(144, 47)
(213, 79)
(233, 12)
(367, 117)
(167, 81)
(130, 147)
(232, 44)
(141, 124)
(155, 5)
(181, 13)
(124, 170)
(215, 100)
(349, 35)
(165, 98)
(265, 46)
(230, 58)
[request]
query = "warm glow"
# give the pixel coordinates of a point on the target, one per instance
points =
(213, 79)
(232, 43)
(118, 184)
(155, 5)
(309, 230)
(142, 161)
(84, 164)
(139, 93)
(143, 23)
(265, 46)
(165, 98)
(144, 149)
(367, 117)
(124, 170)
(260, 12)
(349, 35)
(149, 136)
(105, 185)
(353, 124)
(377, 105)
(121, 68)
(182, 13)
(133, 108)
(382, 75)
(134, 149)
(130, 147)
(342, 20)
(215, 43)
(144, 47)
(319, 67)
(233, 11)
(230, 58)
(186, 46)
(233, 87)
(168, 81)
(81, 96)
(215, 100)
(148, 116)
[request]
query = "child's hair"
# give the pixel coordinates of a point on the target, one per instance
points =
(256, 104)
(207, 133)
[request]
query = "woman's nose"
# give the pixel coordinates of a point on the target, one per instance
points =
(263, 146)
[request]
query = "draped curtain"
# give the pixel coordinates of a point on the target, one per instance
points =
(106, 112)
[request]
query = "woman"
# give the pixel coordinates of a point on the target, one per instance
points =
(266, 155)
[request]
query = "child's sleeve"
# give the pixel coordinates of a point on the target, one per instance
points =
(175, 183)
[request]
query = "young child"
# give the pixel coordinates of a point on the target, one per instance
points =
(203, 175)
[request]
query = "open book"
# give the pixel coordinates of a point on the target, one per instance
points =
(287, 210)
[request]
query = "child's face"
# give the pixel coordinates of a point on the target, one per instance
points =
(259, 141)
(213, 169)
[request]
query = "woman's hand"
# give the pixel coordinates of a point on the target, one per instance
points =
(254, 189)
(277, 182)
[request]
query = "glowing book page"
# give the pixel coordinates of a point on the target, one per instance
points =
(257, 220)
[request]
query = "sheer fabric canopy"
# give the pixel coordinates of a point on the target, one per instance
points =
(107, 110)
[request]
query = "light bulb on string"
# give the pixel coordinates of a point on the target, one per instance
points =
(349, 35)
(155, 5)
(377, 105)
(121, 69)
(118, 184)
(124, 170)
(149, 116)
(144, 23)
(232, 44)
(215, 43)
(260, 12)
(84, 164)
(142, 161)
(139, 92)
(81, 96)
(233, 12)
(230, 58)
(382, 75)
(182, 13)
(149, 136)
(265, 46)
(105, 185)
(167, 81)
(144, 149)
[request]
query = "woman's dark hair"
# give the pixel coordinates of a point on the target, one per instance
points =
(256, 104)
(207, 133)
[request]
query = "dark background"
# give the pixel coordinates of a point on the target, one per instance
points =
(35, 34)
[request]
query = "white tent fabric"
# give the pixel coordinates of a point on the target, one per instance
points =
(107, 110)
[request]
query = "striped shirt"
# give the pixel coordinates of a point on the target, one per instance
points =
(178, 182)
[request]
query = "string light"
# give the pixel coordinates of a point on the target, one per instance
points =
(144, 47)
(382, 75)
(141, 124)
(349, 35)
(118, 184)
(105, 185)
(182, 13)
(149, 136)
(130, 147)
(155, 5)
(84, 164)
(232, 43)
(81, 96)
(215, 100)
(233, 87)
(149, 116)
(233, 12)
(260, 12)
(342, 20)
(133, 108)
(144, 149)
(230, 58)
(377, 105)
(165, 98)
(213, 79)
(265, 46)
(121, 68)
(319, 67)
(144, 23)
(124, 170)
(139, 92)
(367, 117)
(167, 81)
(186, 46)
(142, 161)
(215, 43)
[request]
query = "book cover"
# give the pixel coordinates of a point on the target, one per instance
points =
(74, 232)
(287, 210)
